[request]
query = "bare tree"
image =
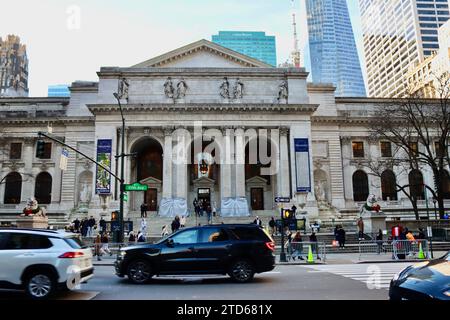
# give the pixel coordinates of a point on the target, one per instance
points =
(420, 128)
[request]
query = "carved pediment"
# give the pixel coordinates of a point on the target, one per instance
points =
(151, 181)
(204, 181)
(257, 180)
(204, 53)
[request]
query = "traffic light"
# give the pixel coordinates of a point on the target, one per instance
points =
(40, 149)
(114, 216)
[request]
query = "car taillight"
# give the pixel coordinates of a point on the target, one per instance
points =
(270, 246)
(71, 255)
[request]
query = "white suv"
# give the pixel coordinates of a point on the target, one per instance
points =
(42, 261)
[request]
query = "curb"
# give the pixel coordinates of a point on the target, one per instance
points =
(393, 261)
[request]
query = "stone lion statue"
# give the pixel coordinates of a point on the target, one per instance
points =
(371, 205)
(33, 209)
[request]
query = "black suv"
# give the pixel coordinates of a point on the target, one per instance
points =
(239, 250)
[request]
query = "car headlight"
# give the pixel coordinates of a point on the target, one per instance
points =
(403, 274)
(122, 254)
(447, 292)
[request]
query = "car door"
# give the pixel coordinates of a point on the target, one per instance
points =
(178, 254)
(213, 250)
(22, 250)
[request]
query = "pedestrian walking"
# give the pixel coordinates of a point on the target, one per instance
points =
(165, 231)
(105, 243)
(314, 244)
(91, 225)
(143, 226)
(84, 227)
(102, 225)
(76, 225)
(175, 224)
(143, 210)
(209, 214)
(341, 237)
(214, 209)
(379, 240)
(183, 222)
(272, 225)
(98, 247)
(141, 237)
(257, 221)
(297, 246)
(360, 224)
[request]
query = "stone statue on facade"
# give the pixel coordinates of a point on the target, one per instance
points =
(123, 89)
(85, 194)
(238, 89)
(283, 92)
(225, 89)
(168, 88)
(181, 89)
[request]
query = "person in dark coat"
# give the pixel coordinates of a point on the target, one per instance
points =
(102, 224)
(314, 244)
(76, 225)
(175, 224)
(341, 237)
(272, 225)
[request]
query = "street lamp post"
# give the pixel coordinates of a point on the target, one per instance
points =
(435, 209)
(283, 253)
(122, 171)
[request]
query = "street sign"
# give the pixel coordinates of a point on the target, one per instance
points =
(125, 197)
(136, 187)
(282, 200)
(64, 159)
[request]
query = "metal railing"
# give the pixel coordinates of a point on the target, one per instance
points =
(397, 249)
(300, 250)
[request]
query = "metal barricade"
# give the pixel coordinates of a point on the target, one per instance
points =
(300, 250)
(395, 249)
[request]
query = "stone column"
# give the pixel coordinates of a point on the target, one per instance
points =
(283, 174)
(181, 166)
(226, 160)
(167, 165)
(28, 157)
(240, 162)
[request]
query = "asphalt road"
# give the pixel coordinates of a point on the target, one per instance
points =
(327, 282)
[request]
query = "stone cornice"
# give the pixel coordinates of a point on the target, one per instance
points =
(45, 121)
(196, 108)
(116, 72)
(340, 120)
(38, 100)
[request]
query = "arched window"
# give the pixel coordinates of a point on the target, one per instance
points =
(13, 188)
(360, 186)
(445, 184)
(416, 187)
(43, 188)
(388, 185)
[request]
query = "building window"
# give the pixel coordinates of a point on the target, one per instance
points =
(47, 152)
(388, 185)
(414, 149)
(360, 186)
(15, 151)
(43, 188)
(13, 188)
(386, 149)
(439, 152)
(416, 186)
(445, 184)
(358, 149)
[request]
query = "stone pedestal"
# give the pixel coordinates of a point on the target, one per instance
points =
(34, 222)
(374, 221)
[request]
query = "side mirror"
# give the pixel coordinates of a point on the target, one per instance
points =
(170, 243)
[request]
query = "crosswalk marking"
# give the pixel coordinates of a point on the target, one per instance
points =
(375, 276)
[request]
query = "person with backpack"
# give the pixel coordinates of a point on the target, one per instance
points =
(297, 246)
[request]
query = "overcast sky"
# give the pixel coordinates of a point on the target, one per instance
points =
(63, 46)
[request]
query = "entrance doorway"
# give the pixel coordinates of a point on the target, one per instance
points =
(204, 197)
(151, 199)
(257, 198)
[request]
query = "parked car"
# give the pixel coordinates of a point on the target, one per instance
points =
(238, 250)
(42, 261)
(424, 281)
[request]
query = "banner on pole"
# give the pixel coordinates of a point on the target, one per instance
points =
(302, 165)
(103, 178)
(63, 160)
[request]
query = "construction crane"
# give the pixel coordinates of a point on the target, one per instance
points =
(295, 55)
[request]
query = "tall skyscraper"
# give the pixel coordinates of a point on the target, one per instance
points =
(398, 34)
(13, 68)
(334, 57)
(253, 44)
(59, 90)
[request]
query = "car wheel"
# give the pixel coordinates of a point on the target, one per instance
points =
(242, 271)
(40, 285)
(139, 271)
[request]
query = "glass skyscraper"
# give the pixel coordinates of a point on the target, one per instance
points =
(253, 44)
(398, 35)
(60, 90)
(334, 56)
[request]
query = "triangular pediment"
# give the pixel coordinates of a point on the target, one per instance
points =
(203, 181)
(150, 181)
(205, 54)
(257, 180)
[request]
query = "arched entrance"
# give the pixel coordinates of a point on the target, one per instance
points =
(13, 188)
(147, 168)
(445, 184)
(260, 179)
(204, 173)
(43, 188)
(416, 186)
